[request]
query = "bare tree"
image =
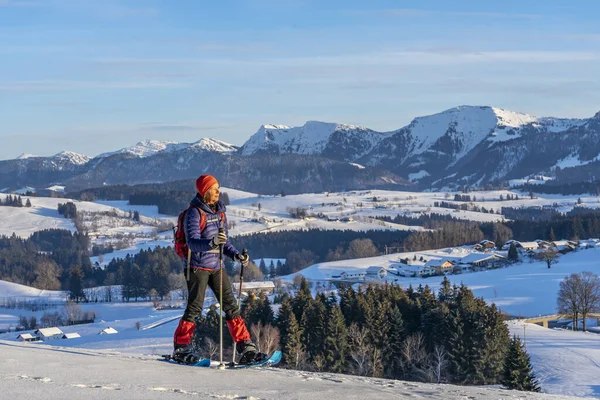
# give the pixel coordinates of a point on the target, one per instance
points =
(415, 356)
(361, 248)
(439, 362)
(549, 257)
(360, 350)
(589, 295)
(72, 311)
(568, 299)
(256, 332)
(269, 338)
(211, 348)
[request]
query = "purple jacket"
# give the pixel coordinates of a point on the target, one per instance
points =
(203, 255)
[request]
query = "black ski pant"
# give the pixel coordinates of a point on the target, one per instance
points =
(199, 280)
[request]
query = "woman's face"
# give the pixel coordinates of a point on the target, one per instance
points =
(212, 195)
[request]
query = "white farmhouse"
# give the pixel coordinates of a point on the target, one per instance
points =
(73, 335)
(268, 287)
(49, 333)
(354, 276)
(376, 273)
(27, 337)
(416, 271)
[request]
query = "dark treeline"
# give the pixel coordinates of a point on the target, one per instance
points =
(46, 259)
(169, 197)
(464, 207)
(320, 242)
(14, 201)
(383, 331)
(566, 188)
(67, 210)
(444, 234)
(122, 192)
(421, 220)
(530, 213)
(580, 226)
(149, 273)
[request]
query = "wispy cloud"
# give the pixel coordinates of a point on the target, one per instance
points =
(496, 15)
(106, 9)
(117, 11)
(184, 126)
(582, 36)
(416, 12)
(60, 85)
(19, 3)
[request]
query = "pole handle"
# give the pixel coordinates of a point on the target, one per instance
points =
(244, 253)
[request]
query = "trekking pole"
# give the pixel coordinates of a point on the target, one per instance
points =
(221, 365)
(244, 253)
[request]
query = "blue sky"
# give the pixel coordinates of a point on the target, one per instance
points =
(95, 76)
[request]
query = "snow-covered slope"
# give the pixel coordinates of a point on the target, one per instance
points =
(312, 138)
(29, 371)
(73, 158)
(24, 156)
(147, 148)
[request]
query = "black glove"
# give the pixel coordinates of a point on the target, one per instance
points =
(218, 240)
(243, 259)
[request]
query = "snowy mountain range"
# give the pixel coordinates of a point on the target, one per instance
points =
(463, 146)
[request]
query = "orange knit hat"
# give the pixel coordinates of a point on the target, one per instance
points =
(204, 182)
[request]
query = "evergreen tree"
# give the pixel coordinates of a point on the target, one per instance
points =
(392, 355)
(263, 267)
(76, 284)
(283, 321)
(518, 372)
(551, 235)
(293, 352)
(513, 255)
(313, 328)
(28, 203)
(272, 271)
(445, 292)
(302, 299)
(497, 340)
(336, 344)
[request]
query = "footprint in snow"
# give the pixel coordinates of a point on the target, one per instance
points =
(36, 378)
(82, 385)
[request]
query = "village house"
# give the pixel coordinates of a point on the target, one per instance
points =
(484, 245)
(521, 246)
(440, 265)
(376, 273)
(49, 333)
(416, 271)
(564, 246)
(108, 331)
(589, 243)
(353, 276)
(492, 260)
(267, 287)
(27, 337)
(73, 335)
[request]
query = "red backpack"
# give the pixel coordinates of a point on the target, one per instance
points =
(181, 247)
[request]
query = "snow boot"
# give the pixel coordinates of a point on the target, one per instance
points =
(185, 354)
(249, 353)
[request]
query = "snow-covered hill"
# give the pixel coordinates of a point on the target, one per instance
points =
(313, 138)
(56, 373)
(524, 289)
(147, 148)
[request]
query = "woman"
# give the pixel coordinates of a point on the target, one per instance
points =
(205, 230)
